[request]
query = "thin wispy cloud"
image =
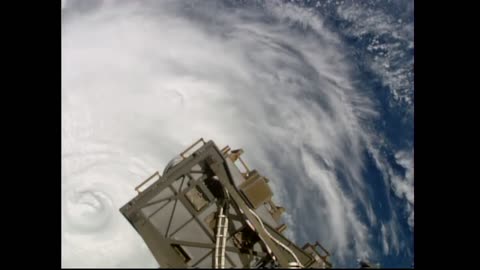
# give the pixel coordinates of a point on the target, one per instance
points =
(389, 37)
(140, 82)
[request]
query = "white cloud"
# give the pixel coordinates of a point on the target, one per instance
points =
(385, 246)
(401, 184)
(139, 85)
(390, 36)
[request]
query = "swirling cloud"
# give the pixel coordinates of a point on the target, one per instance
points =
(140, 82)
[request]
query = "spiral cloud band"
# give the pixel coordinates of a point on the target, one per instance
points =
(143, 80)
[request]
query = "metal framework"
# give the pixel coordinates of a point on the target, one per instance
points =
(204, 212)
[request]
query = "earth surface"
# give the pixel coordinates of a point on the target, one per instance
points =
(319, 94)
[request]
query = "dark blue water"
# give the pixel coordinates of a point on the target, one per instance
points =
(396, 119)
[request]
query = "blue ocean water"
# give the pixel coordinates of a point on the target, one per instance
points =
(377, 38)
(395, 121)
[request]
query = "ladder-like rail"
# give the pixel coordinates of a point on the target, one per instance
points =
(221, 239)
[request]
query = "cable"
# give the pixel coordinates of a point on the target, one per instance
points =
(276, 241)
(269, 250)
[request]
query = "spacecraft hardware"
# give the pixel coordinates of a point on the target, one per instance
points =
(208, 209)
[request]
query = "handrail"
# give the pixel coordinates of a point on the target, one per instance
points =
(191, 146)
(156, 173)
(326, 251)
(225, 150)
(144, 182)
(244, 165)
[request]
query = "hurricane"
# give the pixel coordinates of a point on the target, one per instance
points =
(143, 80)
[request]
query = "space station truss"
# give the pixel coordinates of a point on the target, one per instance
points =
(204, 211)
